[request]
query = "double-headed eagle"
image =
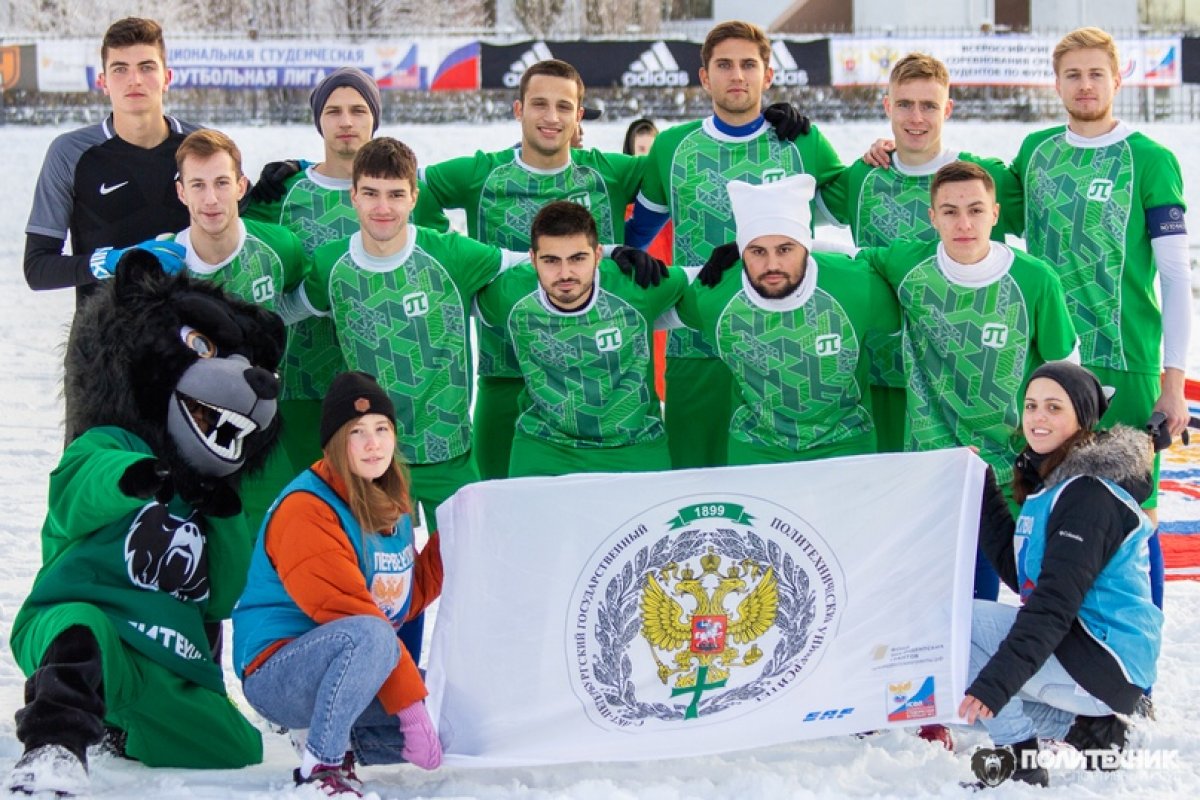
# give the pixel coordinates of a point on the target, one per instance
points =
(701, 635)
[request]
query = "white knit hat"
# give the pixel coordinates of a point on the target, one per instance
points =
(779, 208)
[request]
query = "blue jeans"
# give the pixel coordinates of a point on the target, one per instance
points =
(1046, 705)
(326, 681)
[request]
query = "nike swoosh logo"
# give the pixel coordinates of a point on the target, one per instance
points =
(106, 189)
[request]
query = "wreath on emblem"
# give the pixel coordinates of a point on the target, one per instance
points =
(619, 621)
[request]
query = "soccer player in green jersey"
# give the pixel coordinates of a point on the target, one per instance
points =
(502, 191)
(399, 296)
(978, 317)
(793, 328)
(886, 204)
(1104, 206)
(313, 201)
(256, 261)
(689, 166)
(582, 330)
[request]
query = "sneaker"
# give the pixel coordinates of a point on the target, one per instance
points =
(937, 734)
(330, 780)
(348, 764)
(50, 769)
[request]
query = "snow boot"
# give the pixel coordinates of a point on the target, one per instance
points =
(1089, 735)
(1026, 753)
(50, 769)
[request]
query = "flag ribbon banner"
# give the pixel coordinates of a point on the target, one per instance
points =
(659, 615)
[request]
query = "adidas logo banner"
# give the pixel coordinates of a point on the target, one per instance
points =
(698, 612)
(800, 63)
(610, 64)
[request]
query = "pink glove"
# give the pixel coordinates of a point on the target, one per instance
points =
(421, 745)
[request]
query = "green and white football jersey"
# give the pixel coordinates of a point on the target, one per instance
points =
(268, 261)
(587, 372)
(882, 206)
(1085, 215)
(690, 165)
(800, 362)
(317, 209)
(502, 194)
(971, 336)
(403, 319)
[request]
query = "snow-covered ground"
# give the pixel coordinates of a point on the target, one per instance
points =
(33, 327)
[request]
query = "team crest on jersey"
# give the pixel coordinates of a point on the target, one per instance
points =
(415, 304)
(1100, 190)
(581, 198)
(994, 335)
(829, 344)
(608, 340)
(700, 608)
(772, 175)
(263, 289)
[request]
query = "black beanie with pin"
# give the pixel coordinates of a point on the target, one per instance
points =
(352, 395)
(1081, 386)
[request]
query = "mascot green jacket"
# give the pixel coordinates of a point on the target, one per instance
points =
(144, 542)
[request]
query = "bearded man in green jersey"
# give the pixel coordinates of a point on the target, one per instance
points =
(794, 328)
(581, 329)
(502, 191)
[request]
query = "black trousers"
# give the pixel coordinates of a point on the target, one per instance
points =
(64, 698)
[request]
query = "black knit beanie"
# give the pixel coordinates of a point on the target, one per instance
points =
(352, 395)
(1081, 386)
(357, 80)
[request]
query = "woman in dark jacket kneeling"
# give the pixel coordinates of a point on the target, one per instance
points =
(1081, 649)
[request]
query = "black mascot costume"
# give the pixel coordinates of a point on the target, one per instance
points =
(172, 393)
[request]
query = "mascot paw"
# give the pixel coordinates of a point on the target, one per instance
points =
(214, 499)
(145, 479)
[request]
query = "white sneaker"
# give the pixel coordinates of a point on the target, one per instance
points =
(50, 770)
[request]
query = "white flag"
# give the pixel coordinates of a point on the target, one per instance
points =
(658, 615)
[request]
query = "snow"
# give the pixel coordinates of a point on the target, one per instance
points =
(894, 764)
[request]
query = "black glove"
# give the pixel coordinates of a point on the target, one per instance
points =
(213, 497)
(270, 186)
(645, 268)
(788, 122)
(147, 478)
(723, 257)
(1160, 434)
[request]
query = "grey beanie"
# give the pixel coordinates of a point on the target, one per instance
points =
(357, 80)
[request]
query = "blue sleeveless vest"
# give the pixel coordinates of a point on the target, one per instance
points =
(1116, 611)
(266, 613)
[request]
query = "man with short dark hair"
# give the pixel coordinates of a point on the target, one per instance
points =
(502, 191)
(399, 296)
(581, 330)
(111, 186)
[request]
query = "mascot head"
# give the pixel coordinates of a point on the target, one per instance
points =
(177, 361)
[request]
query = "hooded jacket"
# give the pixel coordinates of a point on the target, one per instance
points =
(1077, 555)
